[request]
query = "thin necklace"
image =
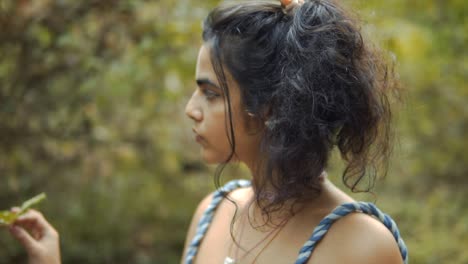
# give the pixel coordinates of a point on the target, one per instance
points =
(234, 260)
(269, 242)
(229, 260)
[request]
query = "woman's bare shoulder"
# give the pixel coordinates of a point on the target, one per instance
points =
(202, 206)
(224, 211)
(239, 196)
(357, 238)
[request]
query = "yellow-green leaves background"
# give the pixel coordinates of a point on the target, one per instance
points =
(91, 112)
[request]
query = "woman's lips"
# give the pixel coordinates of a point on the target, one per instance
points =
(198, 138)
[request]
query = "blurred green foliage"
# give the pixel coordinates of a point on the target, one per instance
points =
(91, 112)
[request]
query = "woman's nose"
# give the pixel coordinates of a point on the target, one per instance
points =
(193, 110)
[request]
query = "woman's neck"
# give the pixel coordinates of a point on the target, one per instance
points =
(254, 208)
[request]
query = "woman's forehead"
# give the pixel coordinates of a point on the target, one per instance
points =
(204, 68)
(206, 71)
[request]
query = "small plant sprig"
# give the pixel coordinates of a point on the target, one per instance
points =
(7, 217)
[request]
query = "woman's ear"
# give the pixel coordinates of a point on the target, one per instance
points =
(253, 122)
(258, 122)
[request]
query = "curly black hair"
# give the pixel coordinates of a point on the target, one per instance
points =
(315, 83)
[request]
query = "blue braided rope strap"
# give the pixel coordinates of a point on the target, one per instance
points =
(207, 216)
(341, 211)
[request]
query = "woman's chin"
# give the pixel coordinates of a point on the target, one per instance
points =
(212, 158)
(209, 157)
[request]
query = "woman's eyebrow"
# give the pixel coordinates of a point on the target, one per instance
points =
(205, 81)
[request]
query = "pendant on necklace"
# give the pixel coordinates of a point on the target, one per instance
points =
(229, 260)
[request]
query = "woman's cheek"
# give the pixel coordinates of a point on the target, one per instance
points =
(214, 156)
(216, 147)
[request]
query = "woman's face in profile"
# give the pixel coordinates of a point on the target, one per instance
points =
(208, 109)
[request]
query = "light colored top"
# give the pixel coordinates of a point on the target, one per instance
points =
(318, 234)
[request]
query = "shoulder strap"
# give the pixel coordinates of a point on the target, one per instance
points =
(207, 216)
(341, 211)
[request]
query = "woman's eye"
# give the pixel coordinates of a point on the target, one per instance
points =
(209, 94)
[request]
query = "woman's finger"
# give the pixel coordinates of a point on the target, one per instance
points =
(23, 237)
(37, 226)
(36, 219)
(32, 214)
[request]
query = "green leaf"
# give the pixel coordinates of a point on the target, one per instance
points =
(7, 217)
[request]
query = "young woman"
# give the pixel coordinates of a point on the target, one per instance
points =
(279, 86)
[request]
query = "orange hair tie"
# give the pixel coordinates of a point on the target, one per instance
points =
(285, 2)
(287, 5)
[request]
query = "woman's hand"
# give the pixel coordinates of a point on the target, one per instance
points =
(39, 238)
